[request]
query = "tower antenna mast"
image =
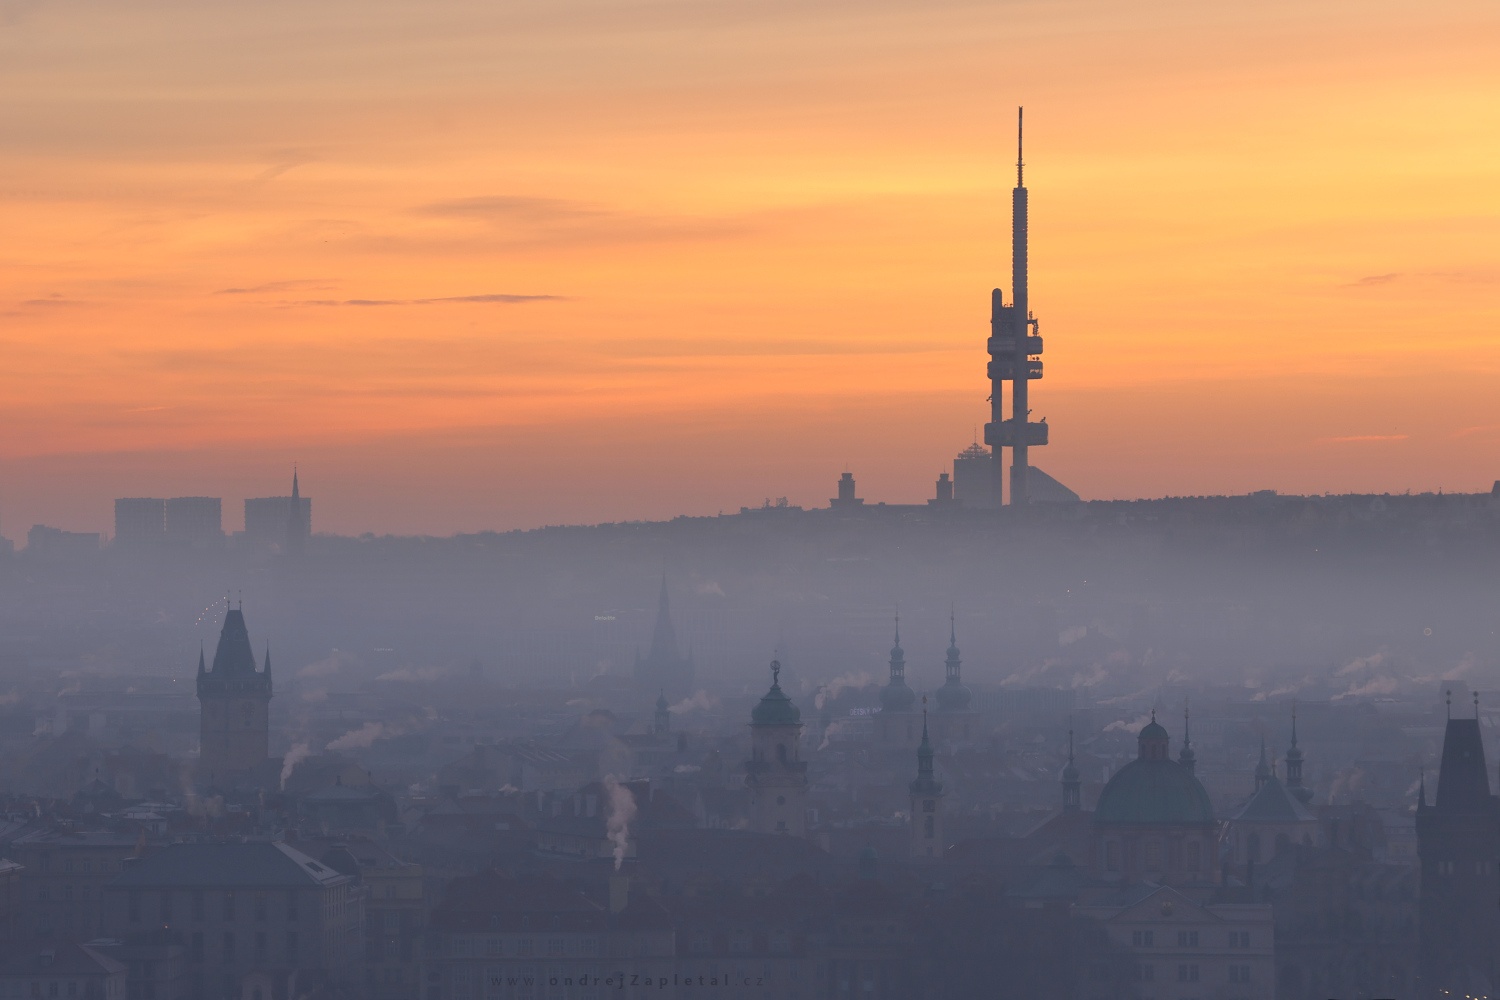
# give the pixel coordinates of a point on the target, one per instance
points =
(1014, 345)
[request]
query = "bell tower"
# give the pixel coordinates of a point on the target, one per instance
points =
(926, 803)
(776, 774)
(234, 708)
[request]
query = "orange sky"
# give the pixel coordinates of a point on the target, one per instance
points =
(760, 235)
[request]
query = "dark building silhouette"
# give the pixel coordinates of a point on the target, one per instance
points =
(943, 491)
(1458, 843)
(846, 497)
(196, 521)
(140, 520)
(234, 700)
(974, 477)
(280, 522)
(664, 669)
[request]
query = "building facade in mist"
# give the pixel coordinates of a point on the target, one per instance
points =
(258, 919)
(664, 669)
(776, 774)
(234, 710)
(1458, 843)
(279, 522)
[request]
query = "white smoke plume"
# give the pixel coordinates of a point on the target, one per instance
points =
(1378, 685)
(1360, 663)
(415, 674)
(294, 756)
(855, 679)
(621, 810)
(10, 697)
(330, 664)
(360, 738)
(700, 701)
(1120, 725)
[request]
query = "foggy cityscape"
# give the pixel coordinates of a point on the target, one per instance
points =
(401, 716)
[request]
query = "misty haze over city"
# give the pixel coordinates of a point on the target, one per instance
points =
(656, 499)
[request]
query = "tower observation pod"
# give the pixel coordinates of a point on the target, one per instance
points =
(1015, 346)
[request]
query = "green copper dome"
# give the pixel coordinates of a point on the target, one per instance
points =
(1154, 791)
(775, 709)
(1154, 730)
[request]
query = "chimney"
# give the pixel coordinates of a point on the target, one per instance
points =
(619, 892)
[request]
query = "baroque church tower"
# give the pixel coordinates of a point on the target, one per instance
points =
(234, 709)
(776, 774)
(926, 804)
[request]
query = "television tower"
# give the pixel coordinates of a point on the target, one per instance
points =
(1014, 344)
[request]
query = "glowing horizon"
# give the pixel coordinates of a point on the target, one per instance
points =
(583, 261)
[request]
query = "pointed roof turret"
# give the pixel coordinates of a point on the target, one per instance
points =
(953, 696)
(896, 696)
(926, 783)
(233, 654)
(202, 669)
(775, 708)
(1294, 762)
(664, 635)
(1187, 756)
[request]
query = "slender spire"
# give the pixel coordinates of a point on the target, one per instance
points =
(202, 666)
(1020, 175)
(1449, 700)
(1422, 788)
(1187, 756)
(1476, 704)
(296, 491)
(267, 670)
(1263, 767)
(1072, 784)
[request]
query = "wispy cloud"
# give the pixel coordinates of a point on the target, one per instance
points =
(1374, 279)
(1363, 438)
(276, 286)
(491, 298)
(53, 302)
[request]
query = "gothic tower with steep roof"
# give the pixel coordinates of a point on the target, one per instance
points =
(234, 708)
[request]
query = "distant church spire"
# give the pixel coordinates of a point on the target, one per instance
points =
(1187, 756)
(1262, 768)
(1071, 783)
(898, 656)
